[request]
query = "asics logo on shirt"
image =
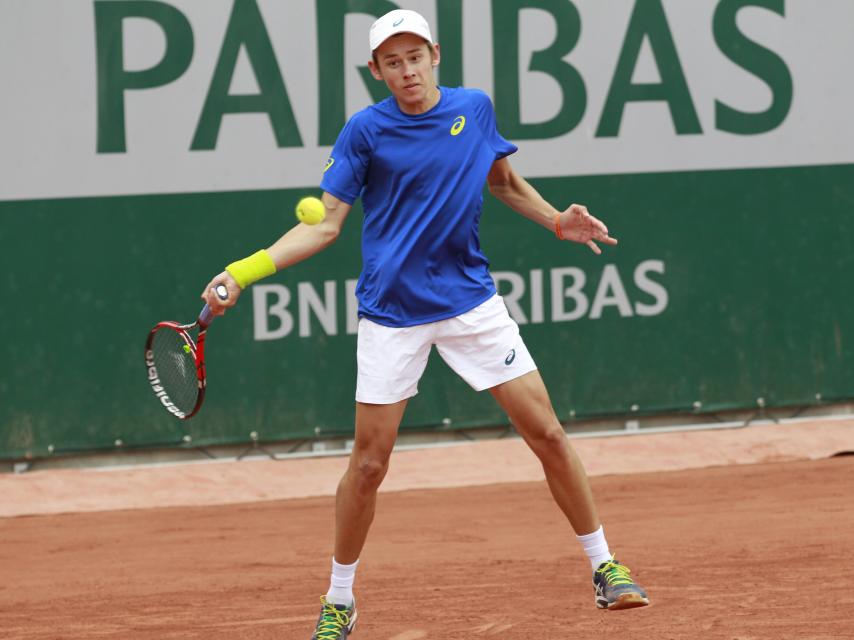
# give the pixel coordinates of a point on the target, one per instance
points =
(510, 357)
(458, 126)
(329, 163)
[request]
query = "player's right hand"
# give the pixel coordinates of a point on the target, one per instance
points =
(217, 305)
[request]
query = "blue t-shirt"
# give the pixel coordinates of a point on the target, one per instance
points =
(421, 180)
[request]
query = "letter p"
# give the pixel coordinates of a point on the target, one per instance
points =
(114, 80)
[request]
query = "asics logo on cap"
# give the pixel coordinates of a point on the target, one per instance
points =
(458, 126)
(397, 23)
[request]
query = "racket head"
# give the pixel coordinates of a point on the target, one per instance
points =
(176, 369)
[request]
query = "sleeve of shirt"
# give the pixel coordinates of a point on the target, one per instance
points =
(485, 114)
(345, 171)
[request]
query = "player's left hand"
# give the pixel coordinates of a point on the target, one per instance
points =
(578, 225)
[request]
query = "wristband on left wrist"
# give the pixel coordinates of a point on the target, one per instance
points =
(558, 230)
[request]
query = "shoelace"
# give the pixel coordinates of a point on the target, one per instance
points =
(616, 573)
(332, 620)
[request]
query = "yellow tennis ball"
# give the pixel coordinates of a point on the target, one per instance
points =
(310, 210)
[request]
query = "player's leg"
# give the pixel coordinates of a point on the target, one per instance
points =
(390, 364)
(526, 402)
(390, 361)
(484, 347)
(355, 500)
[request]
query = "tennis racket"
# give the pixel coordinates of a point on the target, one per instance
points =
(175, 363)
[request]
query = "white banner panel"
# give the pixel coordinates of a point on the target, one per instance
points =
(650, 73)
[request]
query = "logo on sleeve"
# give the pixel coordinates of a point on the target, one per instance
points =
(511, 356)
(458, 126)
(329, 163)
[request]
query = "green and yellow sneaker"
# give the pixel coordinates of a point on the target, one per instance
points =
(615, 588)
(336, 621)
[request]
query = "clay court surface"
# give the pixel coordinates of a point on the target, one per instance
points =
(739, 552)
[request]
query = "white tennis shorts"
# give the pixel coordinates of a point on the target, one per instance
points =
(482, 345)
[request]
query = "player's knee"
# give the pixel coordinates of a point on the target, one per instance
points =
(549, 441)
(370, 472)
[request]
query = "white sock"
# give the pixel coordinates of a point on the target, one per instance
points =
(596, 547)
(341, 585)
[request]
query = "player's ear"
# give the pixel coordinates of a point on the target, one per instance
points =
(435, 55)
(375, 70)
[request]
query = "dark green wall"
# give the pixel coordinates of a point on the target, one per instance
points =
(758, 269)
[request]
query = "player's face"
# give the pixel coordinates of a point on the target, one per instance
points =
(405, 62)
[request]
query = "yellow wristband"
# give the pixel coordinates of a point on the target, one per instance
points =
(258, 265)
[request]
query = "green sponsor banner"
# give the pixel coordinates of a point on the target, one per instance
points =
(727, 286)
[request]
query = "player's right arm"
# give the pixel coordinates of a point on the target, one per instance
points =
(299, 243)
(304, 240)
(342, 182)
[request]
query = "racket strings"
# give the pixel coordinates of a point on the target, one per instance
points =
(176, 368)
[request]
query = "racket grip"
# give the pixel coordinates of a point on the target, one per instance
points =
(207, 316)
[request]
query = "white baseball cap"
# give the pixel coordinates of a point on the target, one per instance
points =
(399, 21)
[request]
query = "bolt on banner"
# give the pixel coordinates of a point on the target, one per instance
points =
(150, 96)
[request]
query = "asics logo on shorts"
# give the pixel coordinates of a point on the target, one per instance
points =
(510, 357)
(458, 126)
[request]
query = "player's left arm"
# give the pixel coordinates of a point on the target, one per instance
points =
(575, 223)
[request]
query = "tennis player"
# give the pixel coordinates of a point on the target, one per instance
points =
(419, 160)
